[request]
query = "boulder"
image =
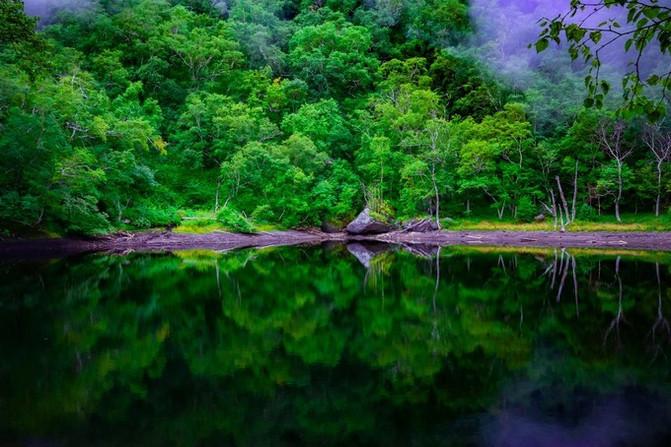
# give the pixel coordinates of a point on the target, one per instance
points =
(540, 218)
(420, 225)
(366, 224)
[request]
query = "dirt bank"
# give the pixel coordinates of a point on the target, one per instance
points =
(166, 241)
(156, 241)
(626, 240)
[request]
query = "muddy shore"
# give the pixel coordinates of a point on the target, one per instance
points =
(222, 241)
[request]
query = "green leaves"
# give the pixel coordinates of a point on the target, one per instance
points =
(275, 183)
(646, 22)
(333, 58)
(16, 27)
(595, 36)
(324, 124)
(541, 45)
(125, 114)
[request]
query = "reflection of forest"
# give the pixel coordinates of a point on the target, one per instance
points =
(297, 345)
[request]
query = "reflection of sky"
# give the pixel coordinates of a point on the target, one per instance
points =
(629, 418)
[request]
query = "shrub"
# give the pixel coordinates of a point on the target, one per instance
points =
(148, 215)
(526, 210)
(234, 220)
(586, 212)
(263, 213)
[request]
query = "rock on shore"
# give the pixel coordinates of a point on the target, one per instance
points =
(366, 224)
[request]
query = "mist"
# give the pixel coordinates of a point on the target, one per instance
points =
(505, 28)
(551, 82)
(47, 9)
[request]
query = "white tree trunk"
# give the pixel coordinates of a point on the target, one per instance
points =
(619, 191)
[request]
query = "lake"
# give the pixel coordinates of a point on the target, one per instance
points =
(336, 345)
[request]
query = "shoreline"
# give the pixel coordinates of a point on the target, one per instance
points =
(223, 241)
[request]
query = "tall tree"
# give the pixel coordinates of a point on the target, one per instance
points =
(659, 143)
(611, 139)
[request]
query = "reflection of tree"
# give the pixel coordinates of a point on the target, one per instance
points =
(619, 316)
(256, 345)
(661, 323)
(559, 268)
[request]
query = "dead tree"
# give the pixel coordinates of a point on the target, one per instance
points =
(610, 139)
(560, 212)
(567, 217)
(659, 143)
(575, 191)
(553, 211)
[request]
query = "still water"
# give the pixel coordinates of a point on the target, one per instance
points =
(316, 346)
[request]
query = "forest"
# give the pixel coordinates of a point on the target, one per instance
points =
(252, 114)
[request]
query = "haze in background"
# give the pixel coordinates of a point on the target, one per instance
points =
(505, 28)
(45, 9)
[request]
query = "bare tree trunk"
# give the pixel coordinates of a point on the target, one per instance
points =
(555, 214)
(575, 192)
(562, 227)
(659, 187)
(381, 181)
(435, 190)
(619, 191)
(216, 196)
(659, 143)
(611, 144)
(500, 211)
(558, 212)
(563, 200)
(40, 217)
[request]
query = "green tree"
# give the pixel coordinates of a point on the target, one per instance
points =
(214, 127)
(323, 123)
(333, 58)
(16, 25)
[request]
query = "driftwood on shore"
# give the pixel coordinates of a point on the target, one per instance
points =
(221, 241)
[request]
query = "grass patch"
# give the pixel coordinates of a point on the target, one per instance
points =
(646, 255)
(630, 222)
(201, 222)
(198, 222)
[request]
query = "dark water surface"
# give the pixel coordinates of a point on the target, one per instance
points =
(307, 346)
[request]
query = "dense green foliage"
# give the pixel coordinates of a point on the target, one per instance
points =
(300, 346)
(291, 113)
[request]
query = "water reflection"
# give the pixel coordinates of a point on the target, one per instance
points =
(302, 346)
